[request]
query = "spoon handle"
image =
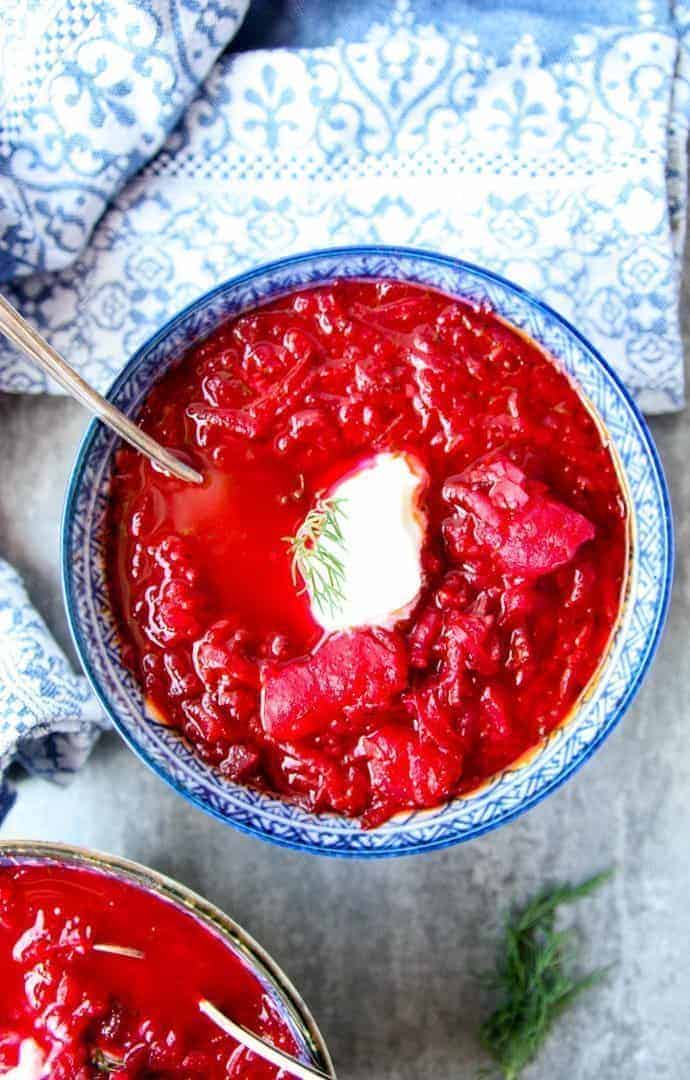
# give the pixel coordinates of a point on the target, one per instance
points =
(18, 330)
(265, 1050)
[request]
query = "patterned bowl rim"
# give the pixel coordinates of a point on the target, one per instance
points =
(661, 605)
(260, 962)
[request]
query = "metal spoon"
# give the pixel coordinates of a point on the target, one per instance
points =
(267, 1051)
(17, 329)
(240, 1034)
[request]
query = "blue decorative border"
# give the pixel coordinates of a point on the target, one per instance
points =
(95, 634)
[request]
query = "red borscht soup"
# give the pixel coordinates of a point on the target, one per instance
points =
(73, 1007)
(405, 563)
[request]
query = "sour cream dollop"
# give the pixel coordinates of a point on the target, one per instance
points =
(32, 1064)
(383, 528)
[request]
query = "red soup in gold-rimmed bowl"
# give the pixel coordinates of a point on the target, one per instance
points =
(107, 967)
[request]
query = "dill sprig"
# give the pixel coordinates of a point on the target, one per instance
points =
(533, 979)
(322, 570)
(105, 1062)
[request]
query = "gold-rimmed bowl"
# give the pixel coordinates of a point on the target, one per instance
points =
(288, 1004)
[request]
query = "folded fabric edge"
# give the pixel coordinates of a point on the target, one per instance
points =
(8, 797)
(36, 208)
(49, 719)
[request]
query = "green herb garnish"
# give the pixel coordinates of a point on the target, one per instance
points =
(314, 557)
(105, 1062)
(533, 979)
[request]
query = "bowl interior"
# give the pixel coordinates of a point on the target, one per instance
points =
(285, 998)
(95, 633)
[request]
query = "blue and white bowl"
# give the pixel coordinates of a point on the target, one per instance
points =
(518, 787)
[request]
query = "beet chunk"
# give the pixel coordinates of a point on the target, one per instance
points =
(500, 511)
(174, 604)
(406, 770)
(321, 782)
(350, 673)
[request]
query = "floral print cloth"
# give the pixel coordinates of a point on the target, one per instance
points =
(142, 162)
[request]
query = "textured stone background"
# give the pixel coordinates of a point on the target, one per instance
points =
(385, 953)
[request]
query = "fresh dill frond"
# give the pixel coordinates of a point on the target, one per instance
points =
(314, 551)
(533, 979)
(105, 1062)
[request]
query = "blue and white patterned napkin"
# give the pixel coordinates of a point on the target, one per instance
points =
(135, 173)
(48, 718)
(547, 149)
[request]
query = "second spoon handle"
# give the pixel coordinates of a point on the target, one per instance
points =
(18, 330)
(267, 1051)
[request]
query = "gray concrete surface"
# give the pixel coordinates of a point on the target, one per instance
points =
(386, 953)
